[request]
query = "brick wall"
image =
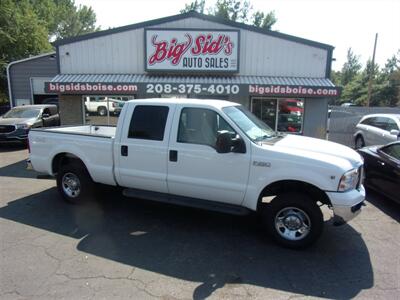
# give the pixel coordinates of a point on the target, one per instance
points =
(70, 107)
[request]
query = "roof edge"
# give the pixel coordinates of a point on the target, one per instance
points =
(31, 58)
(195, 15)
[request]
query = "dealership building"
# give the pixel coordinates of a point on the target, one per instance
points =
(282, 79)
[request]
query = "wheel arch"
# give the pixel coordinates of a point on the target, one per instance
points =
(64, 158)
(282, 186)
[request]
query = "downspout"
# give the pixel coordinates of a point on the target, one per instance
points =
(9, 84)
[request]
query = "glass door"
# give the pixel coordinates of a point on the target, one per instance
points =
(266, 110)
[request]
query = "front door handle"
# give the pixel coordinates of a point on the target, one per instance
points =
(124, 150)
(173, 155)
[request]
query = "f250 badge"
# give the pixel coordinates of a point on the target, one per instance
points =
(261, 164)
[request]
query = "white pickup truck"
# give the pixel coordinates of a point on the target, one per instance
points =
(207, 154)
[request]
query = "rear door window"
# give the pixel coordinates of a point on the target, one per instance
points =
(148, 122)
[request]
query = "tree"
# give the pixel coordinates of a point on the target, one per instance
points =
(351, 67)
(235, 10)
(28, 26)
(197, 6)
(264, 20)
(73, 20)
(21, 34)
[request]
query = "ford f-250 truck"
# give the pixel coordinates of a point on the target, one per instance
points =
(207, 154)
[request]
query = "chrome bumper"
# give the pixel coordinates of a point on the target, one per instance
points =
(346, 206)
(343, 214)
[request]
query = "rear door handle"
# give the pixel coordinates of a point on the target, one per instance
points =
(173, 155)
(124, 150)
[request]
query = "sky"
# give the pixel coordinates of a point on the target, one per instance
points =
(340, 23)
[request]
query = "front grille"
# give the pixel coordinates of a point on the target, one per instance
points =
(7, 128)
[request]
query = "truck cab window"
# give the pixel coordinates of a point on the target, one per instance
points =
(148, 122)
(201, 126)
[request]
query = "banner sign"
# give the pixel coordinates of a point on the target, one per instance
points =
(293, 90)
(192, 50)
(90, 88)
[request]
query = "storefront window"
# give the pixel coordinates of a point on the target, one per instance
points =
(281, 114)
(103, 110)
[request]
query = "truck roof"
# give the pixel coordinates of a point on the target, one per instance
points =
(210, 102)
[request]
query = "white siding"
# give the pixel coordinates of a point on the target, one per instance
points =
(260, 54)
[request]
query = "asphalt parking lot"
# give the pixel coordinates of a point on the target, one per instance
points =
(130, 249)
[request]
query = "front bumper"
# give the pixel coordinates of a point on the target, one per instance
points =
(17, 135)
(347, 205)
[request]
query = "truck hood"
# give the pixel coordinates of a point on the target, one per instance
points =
(15, 121)
(317, 148)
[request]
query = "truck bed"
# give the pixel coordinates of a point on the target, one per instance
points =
(93, 144)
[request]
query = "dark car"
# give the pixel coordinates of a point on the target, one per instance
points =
(16, 123)
(382, 169)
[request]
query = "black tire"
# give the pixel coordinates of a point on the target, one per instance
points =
(294, 206)
(75, 170)
(359, 142)
(102, 111)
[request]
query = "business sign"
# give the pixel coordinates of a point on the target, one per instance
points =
(293, 90)
(192, 50)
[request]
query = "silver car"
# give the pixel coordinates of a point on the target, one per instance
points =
(377, 129)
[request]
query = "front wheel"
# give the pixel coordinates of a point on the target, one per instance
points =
(294, 220)
(359, 142)
(74, 183)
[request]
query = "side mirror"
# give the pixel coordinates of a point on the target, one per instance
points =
(224, 142)
(394, 132)
(45, 116)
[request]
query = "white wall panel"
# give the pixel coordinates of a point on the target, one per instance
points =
(260, 54)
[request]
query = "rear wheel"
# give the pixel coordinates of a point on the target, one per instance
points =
(74, 183)
(359, 142)
(102, 111)
(294, 220)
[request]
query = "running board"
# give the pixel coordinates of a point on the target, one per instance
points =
(187, 201)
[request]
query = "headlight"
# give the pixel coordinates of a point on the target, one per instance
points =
(349, 180)
(23, 126)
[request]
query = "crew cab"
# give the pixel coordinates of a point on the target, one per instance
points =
(208, 154)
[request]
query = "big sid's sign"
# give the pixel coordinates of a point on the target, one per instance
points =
(192, 50)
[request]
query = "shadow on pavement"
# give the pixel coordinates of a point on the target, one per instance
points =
(199, 246)
(19, 170)
(387, 206)
(11, 146)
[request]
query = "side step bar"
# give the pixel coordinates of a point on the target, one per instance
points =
(187, 201)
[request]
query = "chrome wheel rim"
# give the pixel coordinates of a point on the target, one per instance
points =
(292, 223)
(71, 185)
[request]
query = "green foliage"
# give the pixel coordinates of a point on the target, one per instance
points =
(385, 81)
(197, 6)
(264, 20)
(235, 10)
(28, 26)
(350, 68)
(72, 20)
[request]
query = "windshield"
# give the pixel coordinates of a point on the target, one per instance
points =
(22, 113)
(254, 128)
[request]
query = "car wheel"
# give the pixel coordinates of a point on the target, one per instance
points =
(359, 142)
(74, 183)
(294, 220)
(102, 111)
